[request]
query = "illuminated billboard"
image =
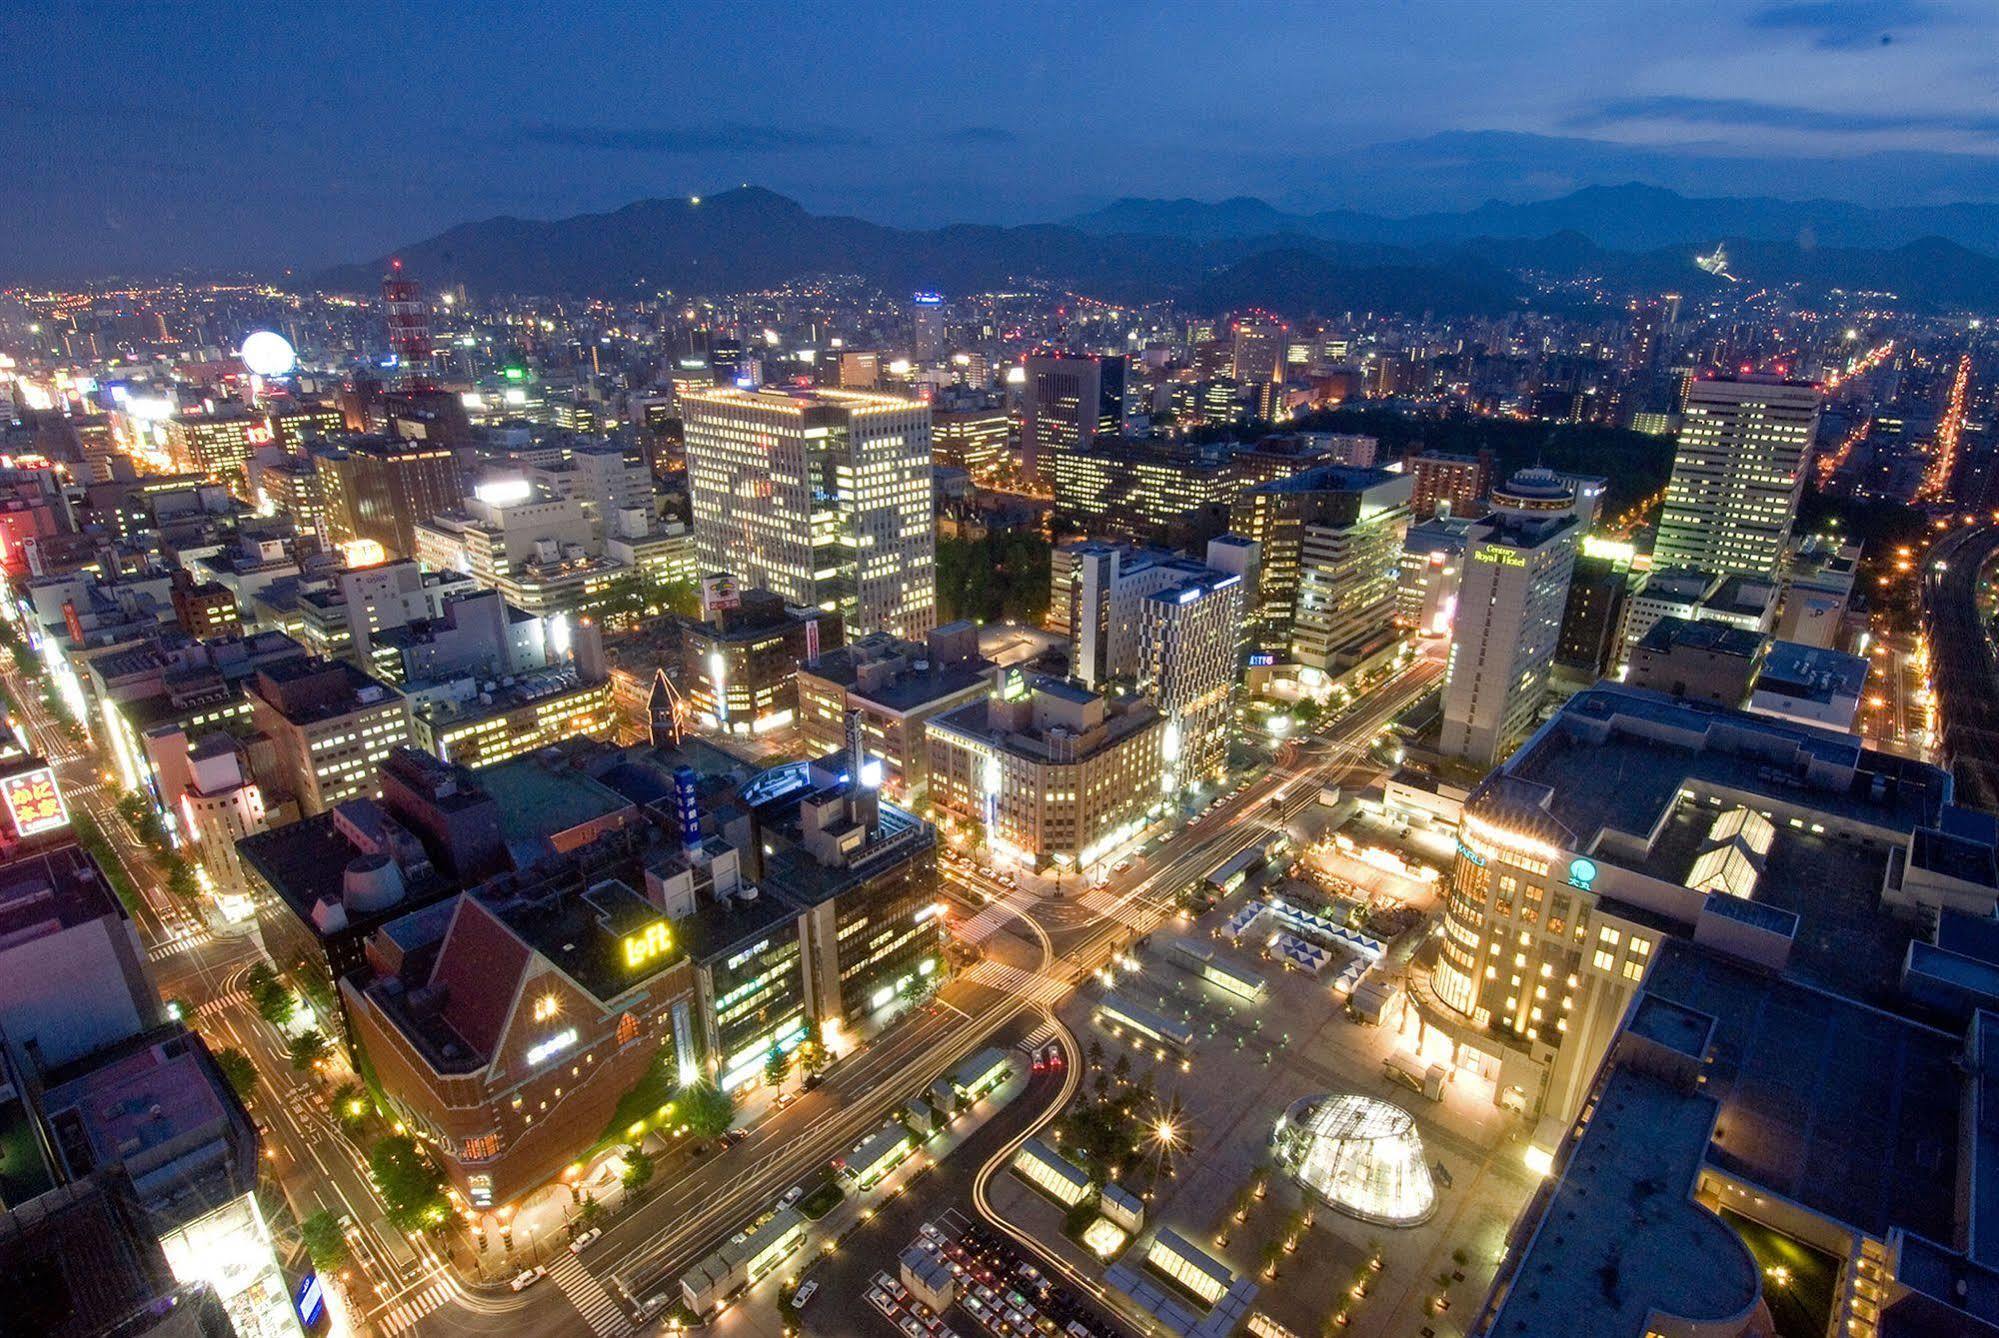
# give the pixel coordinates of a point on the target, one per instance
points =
(34, 804)
(654, 941)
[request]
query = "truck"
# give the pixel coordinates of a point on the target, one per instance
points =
(1418, 1075)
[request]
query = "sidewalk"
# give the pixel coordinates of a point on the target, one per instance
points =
(542, 1225)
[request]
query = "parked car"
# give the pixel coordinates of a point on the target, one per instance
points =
(791, 1196)
(805, 1293)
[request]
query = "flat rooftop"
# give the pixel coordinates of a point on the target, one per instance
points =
(540, 797)
(1842, 1107)
(150, 1091)
(1616, 757)
(1621, 1235)
(719, 927)
(45, 893)
(1811, 672)
(305, 862)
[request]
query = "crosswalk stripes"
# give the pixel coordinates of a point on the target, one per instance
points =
(604, 1315)
(988, 921)
(222, 1001)
(1036, 989)
(412, 1309)
(1128, 913)
(1039, 1037)
(179, 943)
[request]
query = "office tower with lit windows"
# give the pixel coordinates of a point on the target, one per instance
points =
(972, 431)
(1512, 594)
(823, 498)
(1257, 349)
(926, 321)
(1738, 471)
(1450, 484)
(1071, 400)
(1048, 772)
(376, 490)
(1190, 635)
(1330, 541)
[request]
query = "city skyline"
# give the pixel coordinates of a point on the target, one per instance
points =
(151, 142)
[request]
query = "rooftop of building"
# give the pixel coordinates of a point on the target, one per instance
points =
(720, 927)
(1123, 717)
(49, 891)
(1811, 672)
(581, 931)
(541, 796)
(526, 689)
(917, 680)
(794, 871)
(305, 863)
(1670, 634)
(1621, 1236)
(140, 1094)
(308, 691)
(1617, 756)
(1824, 1099)
(1332, 478)
(819, 397)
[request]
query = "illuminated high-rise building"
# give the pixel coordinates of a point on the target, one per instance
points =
(1330, 542)
(1257, 349)
(1738, 471)
(376, 490)
(822, 498)
(1512, 593)
(1071, 400)
(926, 320)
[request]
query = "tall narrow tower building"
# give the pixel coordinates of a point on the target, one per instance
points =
(1738, 472)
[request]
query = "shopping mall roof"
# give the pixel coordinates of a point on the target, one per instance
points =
(1617, 757)
(1621, 1236)
(1834, 1104)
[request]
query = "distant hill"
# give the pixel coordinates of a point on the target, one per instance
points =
(1630, 217)
(753, 238)
(1235, 253)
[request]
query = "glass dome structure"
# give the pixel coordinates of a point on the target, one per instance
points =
(1362, 1156)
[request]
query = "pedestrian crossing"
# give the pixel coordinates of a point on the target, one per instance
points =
(1130, 913)
(223, 1002)
(179, 943)
(414, 1306)
(604, 1315)
(1040, 1036)
(1029, 985)
(988, 921)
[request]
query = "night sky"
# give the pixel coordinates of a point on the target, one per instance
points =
(289, 132)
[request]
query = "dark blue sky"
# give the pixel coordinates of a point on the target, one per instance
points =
(255, 135)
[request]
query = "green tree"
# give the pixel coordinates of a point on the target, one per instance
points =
(591, 1212)
(707, 1109)
(324, 1241)
(775, 1067)
(412, 1189)
(307, 1048)
(350, 1105)
(638, 1168)
(180, 878)
(275, 1004)
(239, 1072)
